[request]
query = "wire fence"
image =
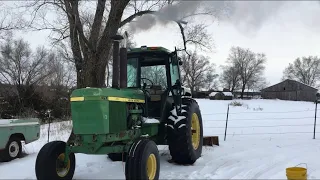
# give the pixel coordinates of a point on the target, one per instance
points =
(272, 112)
(261, 123)
(256, 123)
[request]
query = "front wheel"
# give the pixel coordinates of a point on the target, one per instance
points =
(143, 161)
(50, 162)
(13, 150)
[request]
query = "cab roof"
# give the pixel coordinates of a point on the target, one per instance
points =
(151, 55)
(143, 49)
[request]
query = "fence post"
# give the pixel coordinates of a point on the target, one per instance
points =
(49, 125)
(225, 131)
(315, 121)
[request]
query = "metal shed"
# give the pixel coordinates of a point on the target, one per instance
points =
(290, 90)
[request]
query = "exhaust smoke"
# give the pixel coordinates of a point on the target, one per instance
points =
(246, 16)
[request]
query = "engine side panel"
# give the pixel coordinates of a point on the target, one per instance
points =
(102, 110)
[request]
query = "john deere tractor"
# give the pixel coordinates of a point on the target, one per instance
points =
(145, 107)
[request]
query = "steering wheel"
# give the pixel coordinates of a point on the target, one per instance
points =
(149, 81)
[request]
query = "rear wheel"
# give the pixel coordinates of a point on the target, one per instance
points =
(143, 161)
(185, 133)
(13, 149)
(50, 162)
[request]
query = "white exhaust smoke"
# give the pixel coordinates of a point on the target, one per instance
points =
(246, 16)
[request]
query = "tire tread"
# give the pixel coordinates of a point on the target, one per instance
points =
(180, 145)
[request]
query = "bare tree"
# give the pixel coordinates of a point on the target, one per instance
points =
(211, 78)
(305, 70)
(89, 29)
(23, 69)
(250, 65)
(156, 74)
(63, 75)
(257, 83)
(197, 72)
(230, 77)
(10, 19)
(196, 35)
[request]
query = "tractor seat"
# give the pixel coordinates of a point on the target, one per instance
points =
(156, 87)
(156, 92)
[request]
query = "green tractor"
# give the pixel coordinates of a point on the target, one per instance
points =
(145, 107)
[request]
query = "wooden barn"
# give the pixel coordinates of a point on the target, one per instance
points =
(290, 90)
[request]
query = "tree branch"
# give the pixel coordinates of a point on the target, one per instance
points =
(111, 27)
(133, 16)
(97, 22)
(79, 26)
(75, 46)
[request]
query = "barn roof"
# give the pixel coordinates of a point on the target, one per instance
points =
(224, 93)
(213, 94)
(227, 93)
(291, 81)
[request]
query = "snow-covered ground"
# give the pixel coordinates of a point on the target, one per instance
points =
(264, 137)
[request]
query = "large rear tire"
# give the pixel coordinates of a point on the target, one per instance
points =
(49, 163)
(143, 161)
(185, 133)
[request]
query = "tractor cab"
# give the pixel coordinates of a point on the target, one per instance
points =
(156, 71)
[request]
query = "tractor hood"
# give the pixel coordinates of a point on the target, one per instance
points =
(129, 95)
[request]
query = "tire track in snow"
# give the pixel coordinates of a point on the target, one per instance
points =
(230, 163)
(256, 171)
(281, 163)
(272, 168)
(203, 173)
(235, 166)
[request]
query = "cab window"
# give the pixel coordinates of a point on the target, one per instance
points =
(174, 70)
(132, 72)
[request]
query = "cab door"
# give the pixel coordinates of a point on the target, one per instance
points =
(176, 87)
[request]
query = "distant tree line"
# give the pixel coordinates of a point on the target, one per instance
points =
(33, 83)
(244, 70)
(305, 70)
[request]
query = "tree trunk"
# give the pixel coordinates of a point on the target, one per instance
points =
(93, 75)
(242, 90)
(192, 91)
(108, 75)
(93, 69)
(21, 97)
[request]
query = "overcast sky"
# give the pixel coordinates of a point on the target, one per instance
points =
(293, 31)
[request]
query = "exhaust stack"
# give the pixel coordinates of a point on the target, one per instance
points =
(123, 67)
(116, 65)
(123, 62)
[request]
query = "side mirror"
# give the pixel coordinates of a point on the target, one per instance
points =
(180, 63)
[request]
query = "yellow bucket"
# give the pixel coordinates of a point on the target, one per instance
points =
(296, 173)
